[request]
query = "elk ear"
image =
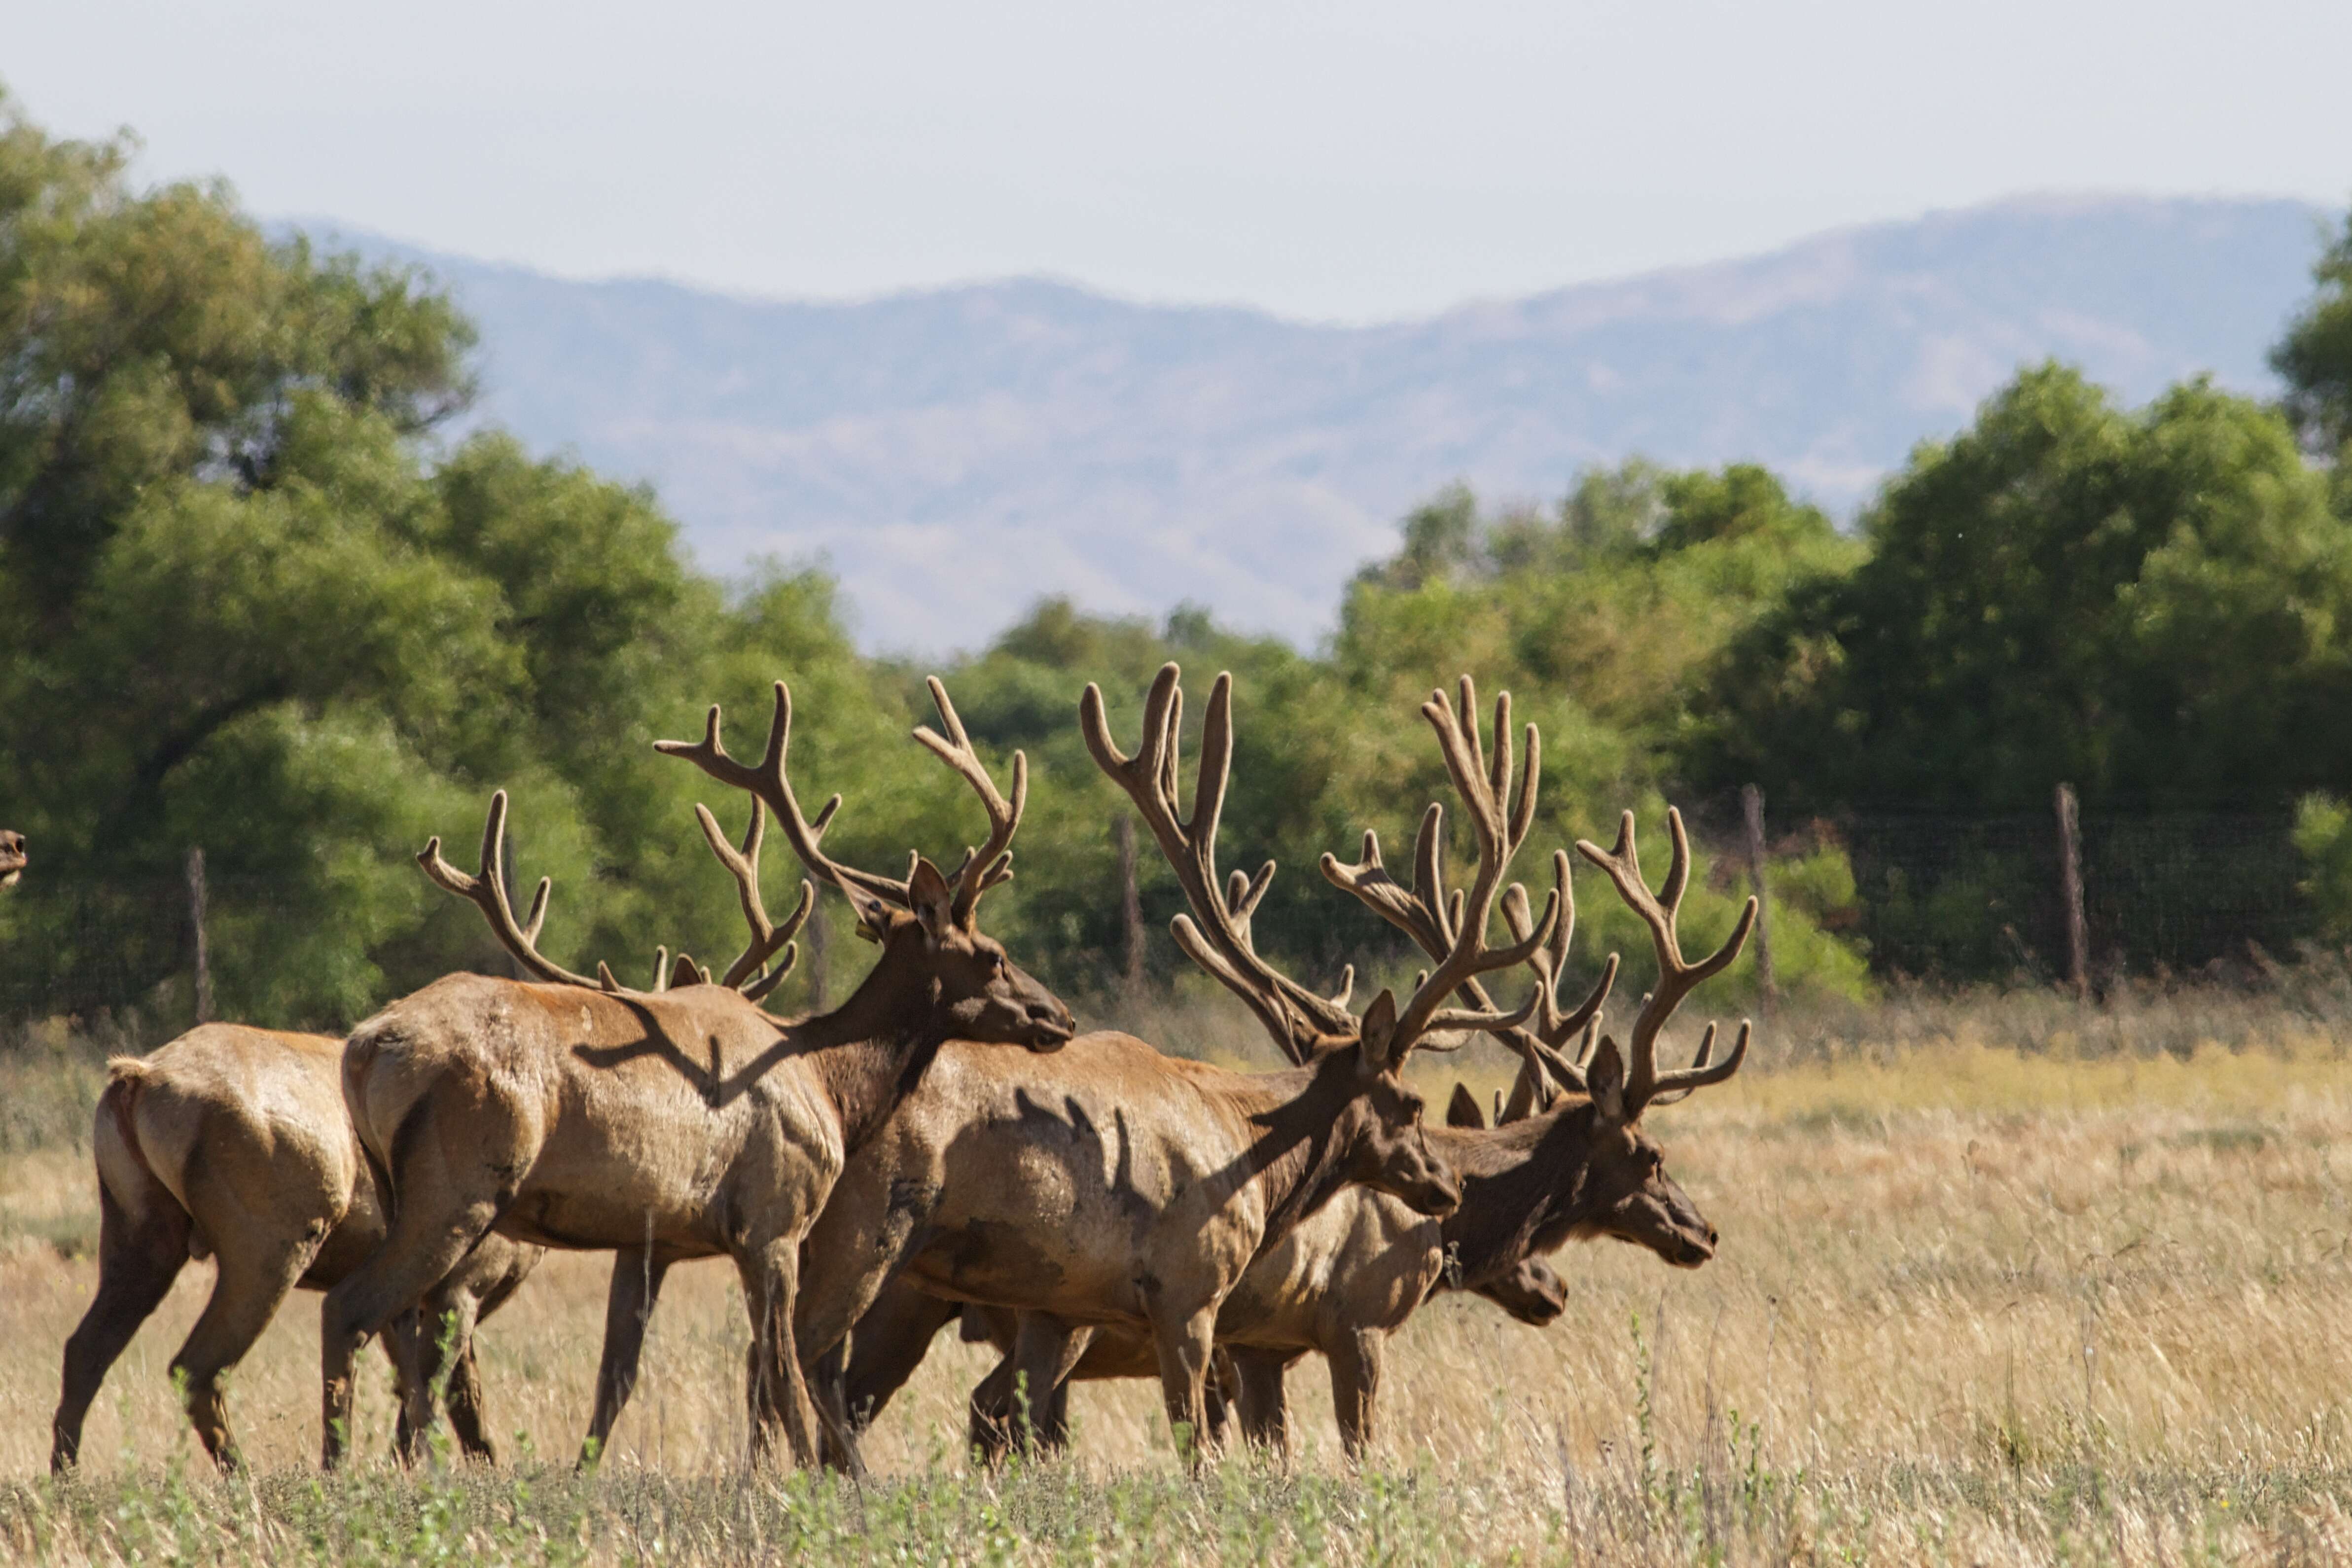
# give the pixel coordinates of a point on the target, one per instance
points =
(933, 903)
(1378, 1025)
(1463, 1111)
(872, 916)
(1604, 1074)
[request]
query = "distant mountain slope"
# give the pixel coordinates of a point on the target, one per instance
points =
(956, 453)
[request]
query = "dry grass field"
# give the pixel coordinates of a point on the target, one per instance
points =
(2081, 1302)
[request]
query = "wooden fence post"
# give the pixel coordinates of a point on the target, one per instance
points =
(196, 900)
(504, 870)
(1130, 903)
(1752, 809)
(2070, 890)
(816, 957)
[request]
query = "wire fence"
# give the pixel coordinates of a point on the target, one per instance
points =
(1936, 897)
(1941, 895)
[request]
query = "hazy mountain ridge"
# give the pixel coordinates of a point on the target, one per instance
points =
(955, 454)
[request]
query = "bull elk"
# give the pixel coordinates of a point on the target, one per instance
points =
(231, 1144)
(1112, 1184)
(1552, 1170)
(677, 1123)
(13, 856)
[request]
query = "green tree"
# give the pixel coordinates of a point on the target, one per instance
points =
(2316, 356)
(2151, 605)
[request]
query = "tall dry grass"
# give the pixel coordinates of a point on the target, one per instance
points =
(2081, 1302)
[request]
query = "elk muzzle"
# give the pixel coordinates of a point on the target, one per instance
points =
(1532, 1292)
(1426, 1183)
(1051, 1025)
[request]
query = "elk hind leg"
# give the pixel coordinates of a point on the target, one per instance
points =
(1263, 1401)
(779, 1392)
(488, 1278)
(888, 1344)
(1044, 1356)
(440, 1216)
(140, 1254)
(257, 1275)
(1355, 1360)
(638, 1275)
(440, 1334)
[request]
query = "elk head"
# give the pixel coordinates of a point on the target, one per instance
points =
(1532, 1292)
(1358, 1062)
(1379, 1128)
(1627, 1193)
(933, 952)
(13, 857)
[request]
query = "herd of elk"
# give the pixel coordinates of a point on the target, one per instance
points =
(1116, 1184)
(1096, 1207)
(1553, 1169)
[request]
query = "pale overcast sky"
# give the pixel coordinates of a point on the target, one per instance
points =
(1356, 160)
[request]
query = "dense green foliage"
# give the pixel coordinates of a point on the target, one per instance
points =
(2152, 605)
(258, 600)
(2315, 355)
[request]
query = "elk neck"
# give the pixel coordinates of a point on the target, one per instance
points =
(1298, 1155)
(1524, 1186)
(872, 1051)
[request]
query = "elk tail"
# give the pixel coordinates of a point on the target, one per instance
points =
(124, 1169)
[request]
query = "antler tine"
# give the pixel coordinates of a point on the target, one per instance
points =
(538, 916)
(743, 865)
(771, 782)
(661, 969)
(1216, 934)
(1483, 792)
(486, 891)
(1538, 1049)
(1683, 1082)
(1437, 919)
(1370, 881)
(992, 862)
(1676, 978)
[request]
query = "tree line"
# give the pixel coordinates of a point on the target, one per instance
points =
(258, 597)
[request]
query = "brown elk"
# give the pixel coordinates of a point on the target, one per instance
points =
(232, 1143)
(13, 857)
(1550, 1171)
(685, 1122)
(1113, 1184)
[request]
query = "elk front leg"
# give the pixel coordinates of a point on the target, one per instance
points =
(779, 1392)
(1185, 1346)
(1356, 1388)
(638, 1275)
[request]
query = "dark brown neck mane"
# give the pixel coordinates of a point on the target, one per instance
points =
(1523, 1188)
(872, 1051)
(1297, 1157)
